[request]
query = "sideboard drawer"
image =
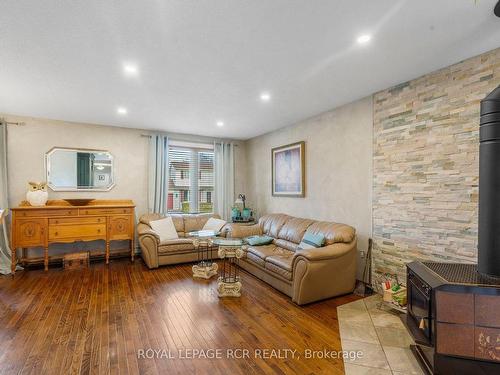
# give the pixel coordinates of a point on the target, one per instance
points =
(78, 220)
(106, 211)
(45, 213)
(62, 232)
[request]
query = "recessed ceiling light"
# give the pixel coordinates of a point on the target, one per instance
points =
(365, 38)
(265, 97)
(130, 69)
(220, 124)
(121, 110)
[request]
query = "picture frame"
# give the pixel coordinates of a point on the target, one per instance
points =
(288, 170)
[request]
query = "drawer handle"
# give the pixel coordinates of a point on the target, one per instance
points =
(98, 220)
(98, 231)
(56, 234)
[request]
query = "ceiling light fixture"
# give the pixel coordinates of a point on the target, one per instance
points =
(220, 124)
(365, 38)
(121, 110)
(130, 69)
(265, 97)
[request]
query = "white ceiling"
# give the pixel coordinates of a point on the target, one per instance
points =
(205, 61)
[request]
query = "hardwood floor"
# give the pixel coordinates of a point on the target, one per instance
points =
(103, 319)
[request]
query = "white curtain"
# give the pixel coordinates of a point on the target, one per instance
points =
(224, 179)
(158, 174)
(5, 254)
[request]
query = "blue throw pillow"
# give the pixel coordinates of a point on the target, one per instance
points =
(311, 241)
(259, 240)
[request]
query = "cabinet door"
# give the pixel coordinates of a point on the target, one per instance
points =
(120, 227)
(31, 232)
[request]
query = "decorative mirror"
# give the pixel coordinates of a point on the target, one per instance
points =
(79, 169)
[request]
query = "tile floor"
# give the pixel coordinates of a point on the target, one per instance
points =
(380, 335)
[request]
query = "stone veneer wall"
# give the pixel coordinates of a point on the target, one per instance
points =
(426, 165)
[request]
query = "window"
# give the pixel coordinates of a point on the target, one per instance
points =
(191, 177)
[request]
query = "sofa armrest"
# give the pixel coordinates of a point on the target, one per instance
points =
(241, 231)
(332, 251)
(149, 242)
(143, 229)
(324, 272)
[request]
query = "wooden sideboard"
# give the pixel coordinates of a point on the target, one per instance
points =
(60, 222)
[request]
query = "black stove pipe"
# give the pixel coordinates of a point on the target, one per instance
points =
(489, 185)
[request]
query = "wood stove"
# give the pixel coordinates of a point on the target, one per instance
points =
(454, 317)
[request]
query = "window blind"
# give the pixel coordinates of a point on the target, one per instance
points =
(191, 177)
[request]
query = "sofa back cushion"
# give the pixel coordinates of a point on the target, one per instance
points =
(196, 221)
(294, 228)
(146, 218)
(333, 232)
(271, 224)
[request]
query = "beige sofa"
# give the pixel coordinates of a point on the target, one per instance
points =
(181, 250)
(304, 275)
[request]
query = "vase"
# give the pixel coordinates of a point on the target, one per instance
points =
(37, 198)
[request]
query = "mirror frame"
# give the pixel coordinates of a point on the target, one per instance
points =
(54, 188)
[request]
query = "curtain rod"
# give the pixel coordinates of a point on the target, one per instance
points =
(216, 141)
(14, 123)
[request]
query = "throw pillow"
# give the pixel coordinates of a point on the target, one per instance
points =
(165, 229)
(214, 224)
(259, 240)
(311, 241)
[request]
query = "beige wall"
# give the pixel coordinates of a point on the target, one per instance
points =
(28, 144)
(338, 168)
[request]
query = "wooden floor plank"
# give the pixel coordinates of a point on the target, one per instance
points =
(97, 320)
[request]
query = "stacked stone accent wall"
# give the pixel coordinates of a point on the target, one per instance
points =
(426, 165)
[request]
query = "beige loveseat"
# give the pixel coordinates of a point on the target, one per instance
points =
(181, 250)
(304, 275)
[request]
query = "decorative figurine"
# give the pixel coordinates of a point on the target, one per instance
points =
(37, 194)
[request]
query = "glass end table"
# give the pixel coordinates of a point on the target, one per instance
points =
(206, 267)
(230, 251)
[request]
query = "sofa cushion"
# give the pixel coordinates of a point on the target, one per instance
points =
(196, 221)
(164, 228)
(278, 270)
(271, 224)
(178, 222)
(255, 259)
(333, 232)
(292, 246)
(179, 244)
(262, 251)
(282, 259)
(294, 228)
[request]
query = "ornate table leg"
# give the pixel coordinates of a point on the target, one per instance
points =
(205, 268)
(229, 284)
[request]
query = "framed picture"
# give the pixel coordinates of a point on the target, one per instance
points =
(288, 170)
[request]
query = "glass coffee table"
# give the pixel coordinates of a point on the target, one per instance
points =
(230, 251)
(203, 242)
